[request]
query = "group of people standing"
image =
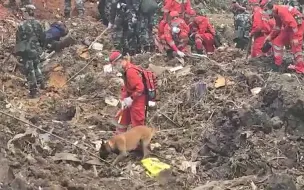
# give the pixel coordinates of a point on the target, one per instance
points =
(132, 28)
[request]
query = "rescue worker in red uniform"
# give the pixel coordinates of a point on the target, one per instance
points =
(260, 28)
(189, 17)
(205, 35)
(176, 35)
(181, 6)
(288, 29)
(132, 94)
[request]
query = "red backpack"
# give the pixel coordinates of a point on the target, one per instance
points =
(150, 82)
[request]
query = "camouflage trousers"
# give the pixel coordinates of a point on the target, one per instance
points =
(32, 72)
(104, 8)
(68, 5)
(123, 31)
(145, 27)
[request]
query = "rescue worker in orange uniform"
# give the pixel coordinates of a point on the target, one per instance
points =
(288, 29)
(260, 28)
(205, 35)
(176, 35)
(133, 97)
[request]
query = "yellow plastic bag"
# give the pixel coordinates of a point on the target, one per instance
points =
(154, 166)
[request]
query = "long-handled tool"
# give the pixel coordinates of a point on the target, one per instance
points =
(248, 49)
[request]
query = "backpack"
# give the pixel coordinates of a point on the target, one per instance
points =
(150, 82)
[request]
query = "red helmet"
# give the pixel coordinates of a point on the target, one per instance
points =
(253, 1)
(199, 19)
(114, 56)
(192, 12)
(174, 14)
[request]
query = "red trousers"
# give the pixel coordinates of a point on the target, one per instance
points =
(256, 49)
(287, 36)
(181, 44)
(205, 40)
(134, 115)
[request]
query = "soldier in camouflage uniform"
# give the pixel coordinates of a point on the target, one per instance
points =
(124, 21)
(132, 30)
(243, 27)
(30, 38)
(68, 5)
(104, 7)
(145, 26)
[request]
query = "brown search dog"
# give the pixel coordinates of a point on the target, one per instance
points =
(123, 143)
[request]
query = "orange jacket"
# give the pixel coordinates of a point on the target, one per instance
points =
(204, 25)
(177, 5)
(133, 83)
(184, 29)
(284, 17)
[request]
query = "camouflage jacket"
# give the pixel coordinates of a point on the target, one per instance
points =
(30, 38)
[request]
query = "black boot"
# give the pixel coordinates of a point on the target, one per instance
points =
(170, 54)
(199, 51)
(81, 14)
(33, 93)
(67, 14)
(42, 85)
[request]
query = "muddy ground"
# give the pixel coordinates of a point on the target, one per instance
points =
(246, 134)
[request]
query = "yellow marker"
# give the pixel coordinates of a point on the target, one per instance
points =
(154, 166)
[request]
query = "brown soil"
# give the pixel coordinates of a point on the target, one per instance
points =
(237, 140)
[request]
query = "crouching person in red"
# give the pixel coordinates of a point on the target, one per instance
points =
(175, 35)
(132, 94)
(205, 35)
(288, 29)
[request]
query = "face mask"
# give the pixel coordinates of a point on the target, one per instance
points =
(175, 30)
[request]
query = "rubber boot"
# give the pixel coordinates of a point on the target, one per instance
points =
(42, 85)
(12, 4)
(80, 13)
(200, 51)
(67, 14)
(33, 93)
(169, 54)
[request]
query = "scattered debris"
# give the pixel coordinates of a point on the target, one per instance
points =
(66, 157)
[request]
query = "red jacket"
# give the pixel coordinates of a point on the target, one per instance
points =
(161, 27)
(177, 5)
(204, 25)
(133, 83)
(184, 29)
(284, 17)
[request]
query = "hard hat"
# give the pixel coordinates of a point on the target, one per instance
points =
(114, 56)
